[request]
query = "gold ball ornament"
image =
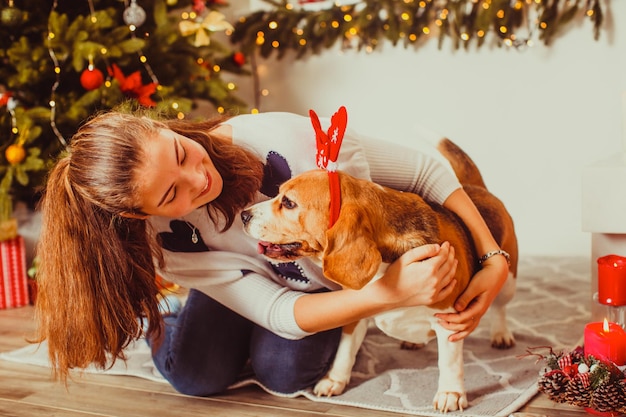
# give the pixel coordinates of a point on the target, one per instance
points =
(15, 154)
(11, 16)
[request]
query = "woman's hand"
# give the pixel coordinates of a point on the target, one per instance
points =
(474, 302)
(421, 276)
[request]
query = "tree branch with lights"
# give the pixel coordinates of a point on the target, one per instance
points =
(367, 24)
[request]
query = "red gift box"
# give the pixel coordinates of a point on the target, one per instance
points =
(13, 280)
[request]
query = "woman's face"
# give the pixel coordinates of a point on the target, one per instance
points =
(177, 177)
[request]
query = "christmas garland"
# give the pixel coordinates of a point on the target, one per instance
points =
(312, 25)
(583, 381)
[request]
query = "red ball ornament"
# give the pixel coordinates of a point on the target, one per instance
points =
(239, 58)
(91, 79)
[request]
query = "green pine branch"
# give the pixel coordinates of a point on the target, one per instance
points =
(369, 23)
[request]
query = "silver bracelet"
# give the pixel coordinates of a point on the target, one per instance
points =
(494, 253)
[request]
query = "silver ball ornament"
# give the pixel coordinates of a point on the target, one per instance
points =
(134, 14)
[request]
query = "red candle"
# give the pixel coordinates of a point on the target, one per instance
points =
(606, 341)
(612, 280)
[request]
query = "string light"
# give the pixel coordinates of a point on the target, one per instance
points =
(132, 27)
(368, 21)
(57, 80)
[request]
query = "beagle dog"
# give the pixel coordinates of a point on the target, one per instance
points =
(375, 226)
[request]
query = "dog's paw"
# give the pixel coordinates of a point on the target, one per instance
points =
(445, 401)
(502, 340)
(411, 346)
(327, 387)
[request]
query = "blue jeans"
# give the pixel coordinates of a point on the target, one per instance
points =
(206, 346)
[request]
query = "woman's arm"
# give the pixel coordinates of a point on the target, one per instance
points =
(424, 173)
(484, 286)
(421, 276)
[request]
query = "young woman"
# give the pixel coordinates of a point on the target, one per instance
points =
(134, 197)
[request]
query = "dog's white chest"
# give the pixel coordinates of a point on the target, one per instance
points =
(411, 324)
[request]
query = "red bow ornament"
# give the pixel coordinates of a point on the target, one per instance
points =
(328, 145)
(132, 86)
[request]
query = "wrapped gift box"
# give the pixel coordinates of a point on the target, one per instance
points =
(13, 279)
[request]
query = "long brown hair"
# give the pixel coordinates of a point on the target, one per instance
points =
(96, 274)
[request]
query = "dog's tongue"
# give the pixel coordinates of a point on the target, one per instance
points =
(265, 247)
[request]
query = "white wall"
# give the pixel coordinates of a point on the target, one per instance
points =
(532, 120)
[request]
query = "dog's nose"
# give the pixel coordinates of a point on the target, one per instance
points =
(246, 216)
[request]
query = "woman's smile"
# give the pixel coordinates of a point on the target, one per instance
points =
(207, 186)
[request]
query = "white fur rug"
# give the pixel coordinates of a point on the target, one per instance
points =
(551, 307)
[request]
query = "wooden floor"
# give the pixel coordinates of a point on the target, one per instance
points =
(28, 391)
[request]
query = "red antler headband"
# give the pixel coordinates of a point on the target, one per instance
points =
(328, 145)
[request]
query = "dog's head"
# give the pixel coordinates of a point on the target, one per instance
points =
(295, 224)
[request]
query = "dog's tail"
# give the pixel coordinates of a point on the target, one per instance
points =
(465, 169)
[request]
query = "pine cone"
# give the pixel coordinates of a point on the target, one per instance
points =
(608, 396)
(622, 399)
(578, 392)
(554, 384)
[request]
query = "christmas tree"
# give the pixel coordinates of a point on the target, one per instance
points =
(63, 60)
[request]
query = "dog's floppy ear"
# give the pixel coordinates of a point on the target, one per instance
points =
(351, 257)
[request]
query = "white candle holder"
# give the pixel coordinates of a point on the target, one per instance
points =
(615, 314)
